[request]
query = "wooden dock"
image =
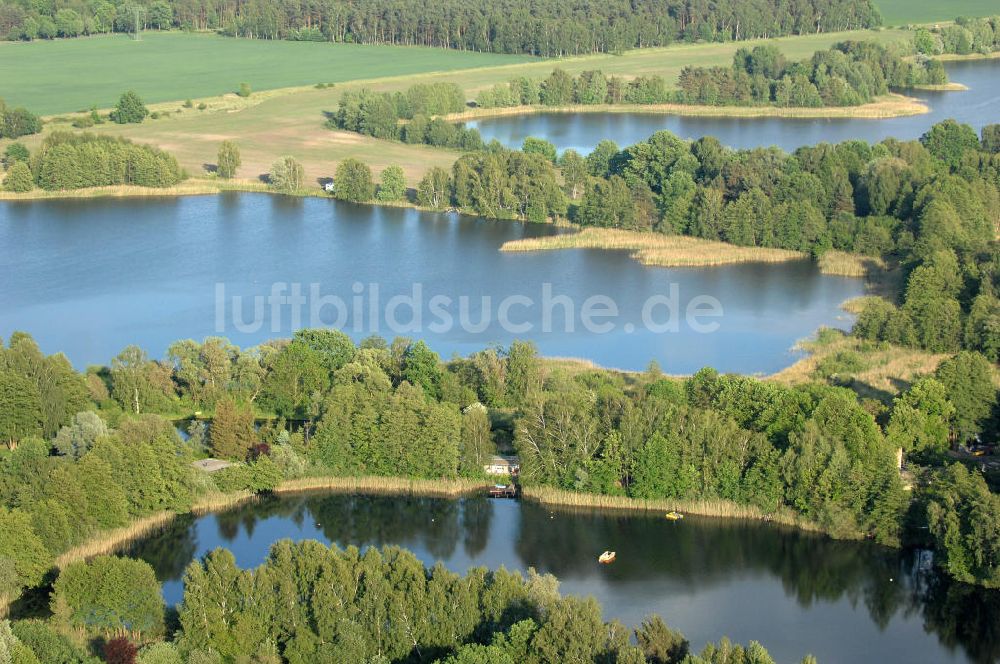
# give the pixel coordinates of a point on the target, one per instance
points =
(503, 491)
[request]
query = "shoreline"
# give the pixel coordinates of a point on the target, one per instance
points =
(190, 187)
(890, 106)
(714, 509)
(115, 541)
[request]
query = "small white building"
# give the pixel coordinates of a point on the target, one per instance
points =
(503, 465)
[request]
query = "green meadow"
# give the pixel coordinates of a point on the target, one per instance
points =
(74, 74)
(902, 12)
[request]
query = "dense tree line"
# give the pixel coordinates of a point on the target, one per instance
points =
(67, 160)
(965, 37)
(848, 74)
(309, 603)
(510, 26)
(379, 114)
(397, 409)
(588, 87)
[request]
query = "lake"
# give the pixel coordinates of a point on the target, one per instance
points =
(795, 592)
(88, 277)
(976, 106)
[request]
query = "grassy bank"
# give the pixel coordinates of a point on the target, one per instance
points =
(714, 508)
(890, 106)
(656, 249)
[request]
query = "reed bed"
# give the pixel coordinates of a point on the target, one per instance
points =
(193, 188)
(889, 106)
(656, 249)
(841, 263)
(714, 508)
(114, 540)
(954, 57)
(388, 486)
(887, 369)
(942, 87)
(111, 541)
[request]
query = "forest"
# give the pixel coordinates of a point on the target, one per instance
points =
(549, 29)
(849, 74)
(93, 451)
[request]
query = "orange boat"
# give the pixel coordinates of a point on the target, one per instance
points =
(606, 557)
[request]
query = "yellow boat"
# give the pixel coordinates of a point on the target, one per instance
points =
(674, 516)
(606, 557)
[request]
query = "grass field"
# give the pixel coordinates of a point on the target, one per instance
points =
(902, 12)
(73, 74)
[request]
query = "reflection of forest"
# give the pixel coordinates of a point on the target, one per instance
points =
(696, 553)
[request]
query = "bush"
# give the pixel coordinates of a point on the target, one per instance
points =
(129, 109)
(109, 594)
(264, 475)
(19, 178)
(245, 90)
(229, 159)
(233, 478)
(47, 644)
(202, 106)
(160, 653)
(17, 152)
(120, 651)
(353, 181)
(18, 122)
(540, 146)
(286, 175)
(393, 184)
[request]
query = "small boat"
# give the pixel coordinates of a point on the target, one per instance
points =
(606, 557)
(674, 516)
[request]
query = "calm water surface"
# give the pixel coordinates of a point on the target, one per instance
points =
(89, 277)
(978, 106)
(795, 592)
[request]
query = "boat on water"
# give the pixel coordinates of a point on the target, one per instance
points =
(674, 516)
(606, 557)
